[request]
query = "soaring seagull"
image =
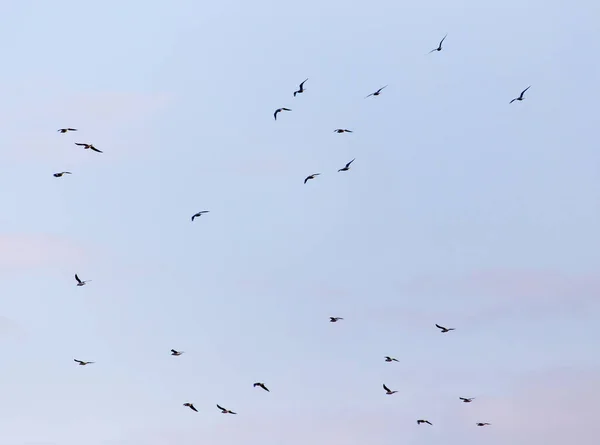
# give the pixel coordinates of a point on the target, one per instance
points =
(64, 130)
(261, 385)
(82, 363)
(190, 406)
(199, 214)
(388, 391)
(483, 424)
(520, 95)
(174, 352)
(81, 282)
(444, 330)
(376, 93)
(420, 421)
(439, 48)
(334, 319)
(313, 176)
(467, 399)
(301, 89)
(342, 130)
(279, 110)
(58, 175)
(347, 167)
(390, 359)
(86, 146)
(225, 411)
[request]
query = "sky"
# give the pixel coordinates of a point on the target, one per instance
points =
(459, 209)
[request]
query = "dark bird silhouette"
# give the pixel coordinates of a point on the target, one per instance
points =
(199, 214)
(174, 352)
(81, 282)
(443, 329)
(261, 385)
(467, 399)
(520, 95)
(341, 130)
(390, 359)
(58, 175)
(279, 110)
(313, 176)
(334, 319)
(82, 363)
(388, 391)
(225, 411)
(439, 48)
(376, 93)
(88, 146)
(64, 130)
(190, 406)
(301, 89)
(420, 421)
(483, 423)
(347, 167)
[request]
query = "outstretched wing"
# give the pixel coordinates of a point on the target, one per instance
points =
(386, 388)
(77, 278)
(440, 327)
(221, 408)
(523, 92)
(348, 164)
(95, 149)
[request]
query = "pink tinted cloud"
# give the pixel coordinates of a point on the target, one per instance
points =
(29, 251)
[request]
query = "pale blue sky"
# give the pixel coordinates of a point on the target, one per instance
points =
(460, 209)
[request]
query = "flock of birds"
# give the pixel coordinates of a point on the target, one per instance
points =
(176, 353)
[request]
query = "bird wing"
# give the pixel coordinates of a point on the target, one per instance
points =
(95, 149)
(379, 90)
(231, 412)
(427, 421)
(193, 407)
(265, 388)
(80, 144)
(78, 361)
(386, 388)
(173, 350)
(348, 164)
(369, 95)
(307, 178)
(275, 114)
(438, 326)
(221, 408)
(77, 278)
(286, 109)
(512, 101)
(442, 41)
(72, 129)
(523, 92)
(302, 84)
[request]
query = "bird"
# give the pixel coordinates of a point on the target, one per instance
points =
(520, 95)
(279, 110)
(199, 214)
(347, 167)
(174, 352)
(390, 359)
(483, 423)
(388, 391)
(190, 406)
(58, 175)
(444, 330)
(301, 89)
(467, 399)
(342, 130)
(82, 363)
(420, 421)
(225, 411)
(64, 130)
(313, 176)
(376, 93)
(86, 146)
(439, 48)
(80, 282)
(334, 319)
(261, 385)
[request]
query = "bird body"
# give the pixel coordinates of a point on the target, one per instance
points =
(390, 359)
(88, 146)
(81, 282)
(342, 130)
(301, 89)
(58, 175)
(190, 406)
(388, 391)
(334, 319)
(483, 423)
(420, 421)
(199, 214)
(224, 410)
(176, 353)
(443, 329)
(376, 93)
(82, 363)
(347, 167)
(467, 399)
(279, 110)
(520, 95)
(64, 130)
(261, 385)
(313, 176)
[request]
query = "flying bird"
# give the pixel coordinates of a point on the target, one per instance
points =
(225, 411)
(199, 214)
(439, 48)
(190, 406)
(483, 423)
(347, 167)
(174, 352)
(279, 110)
(334, 319)
(390, 359)
(521, 95)
(313, 176)
(80, 282)
(261, 385)
(86, 146)
(64, 130)
(420, 421)
(300, 90)
(82, 363)
(376, 93)
(467, 399)
(342, 130)
(388, 391)
(58, 175)
(444, 330)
